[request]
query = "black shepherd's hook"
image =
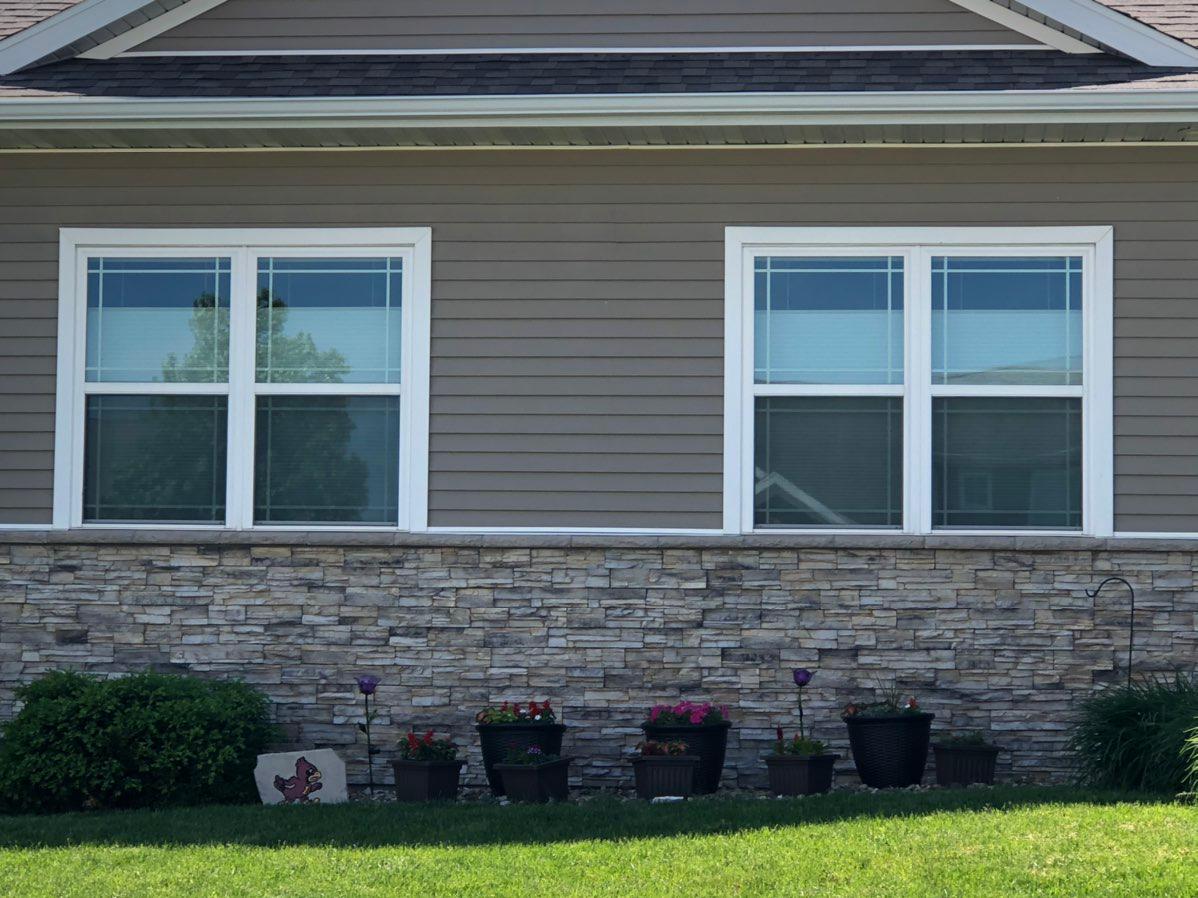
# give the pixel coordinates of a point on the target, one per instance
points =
(1131, 624)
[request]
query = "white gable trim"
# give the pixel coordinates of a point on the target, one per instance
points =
(1096, 21)
(151, 29)
(1020, 23)
(61, 29)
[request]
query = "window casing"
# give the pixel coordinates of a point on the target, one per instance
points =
(240, 378)
(918, 380)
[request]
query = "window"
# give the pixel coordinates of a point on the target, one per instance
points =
(918, 380)
(241, 378)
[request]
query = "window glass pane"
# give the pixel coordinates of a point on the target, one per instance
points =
(1007, 463)
(155, 458)
(327, 459)
(329, 320)
(1007, 321)
(829, 462)
(158, 320)
(828, 320)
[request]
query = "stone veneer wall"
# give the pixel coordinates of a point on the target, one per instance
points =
(999, 639)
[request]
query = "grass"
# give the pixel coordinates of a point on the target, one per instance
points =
(1007, 841)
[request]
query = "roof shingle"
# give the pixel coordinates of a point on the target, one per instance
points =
(1176, 18)
(17, 15)
(586, 73)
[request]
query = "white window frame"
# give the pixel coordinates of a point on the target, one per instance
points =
(917, 245)
(243, 246)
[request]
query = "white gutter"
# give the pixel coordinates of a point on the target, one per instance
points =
(672, 110)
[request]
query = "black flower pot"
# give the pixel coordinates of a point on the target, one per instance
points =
(963, 765)
(536, 783)
(799, 775)
(890, 752)
(498, 740)
(426, 780)
(661, 775)
(709, 741)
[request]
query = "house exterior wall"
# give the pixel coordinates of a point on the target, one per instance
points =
(432, 25)
(578, 299)
(998, 639)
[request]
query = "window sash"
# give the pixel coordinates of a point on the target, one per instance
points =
(244, 247)
(919, 246)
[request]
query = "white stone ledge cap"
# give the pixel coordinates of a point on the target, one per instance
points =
(217, 538)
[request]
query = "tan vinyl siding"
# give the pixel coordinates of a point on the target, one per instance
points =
(577, 298)
(241, 25)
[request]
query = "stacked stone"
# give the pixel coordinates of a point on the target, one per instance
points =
(1002, 640)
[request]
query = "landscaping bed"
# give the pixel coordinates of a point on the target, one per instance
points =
(1012, 841)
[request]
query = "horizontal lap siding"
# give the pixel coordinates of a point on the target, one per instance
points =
(510, 24)
(577, 299)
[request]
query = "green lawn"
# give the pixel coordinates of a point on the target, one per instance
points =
(1001, 842)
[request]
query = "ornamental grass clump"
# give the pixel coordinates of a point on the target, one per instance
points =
(1134, 736)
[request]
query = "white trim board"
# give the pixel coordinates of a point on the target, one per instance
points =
(916, 245)
(149, 30)
(1118, 31)
(541, 51)
(1016, 21)
(61, 30)
(242, 246)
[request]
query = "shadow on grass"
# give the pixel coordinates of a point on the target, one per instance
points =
(466, 824)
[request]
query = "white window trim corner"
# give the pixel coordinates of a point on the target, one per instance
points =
(917, 244)
(76, 245)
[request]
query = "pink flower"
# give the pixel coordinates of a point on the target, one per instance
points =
(697, 717)
(655, 713)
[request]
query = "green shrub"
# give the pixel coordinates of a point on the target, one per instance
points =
(1134, 736)
(140, 741)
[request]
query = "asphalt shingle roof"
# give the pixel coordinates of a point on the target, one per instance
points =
(1176, 18)
(585, 73)
(17, 15)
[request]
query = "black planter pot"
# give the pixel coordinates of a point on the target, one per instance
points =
(499, 739)
(962, 765)
(660, 775)
(708, 741)
(797, 775)
(536, 783)
(890, 752)
(426, 780)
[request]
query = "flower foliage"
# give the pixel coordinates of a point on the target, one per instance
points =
(889, 707)
(427, 748)
(969, 739)
(514, 712)
(687, 714)
(798, 746)
(657, 749)
(531, 756)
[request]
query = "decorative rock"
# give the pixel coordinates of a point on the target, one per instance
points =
(301, 777)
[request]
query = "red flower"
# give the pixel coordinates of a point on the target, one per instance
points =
(413, 743)
(428, 738)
